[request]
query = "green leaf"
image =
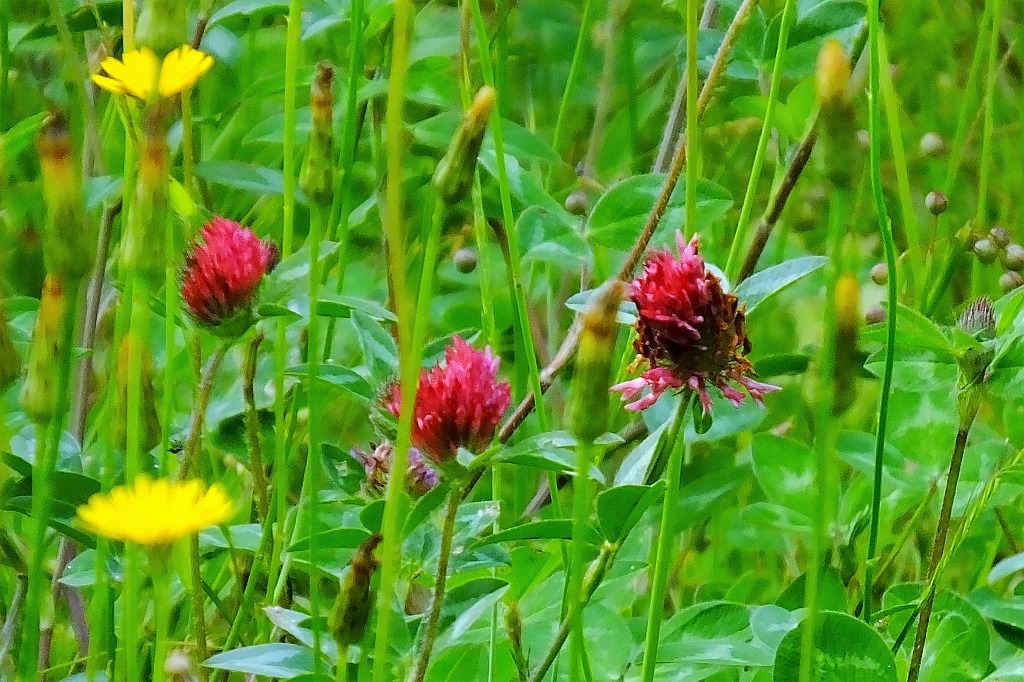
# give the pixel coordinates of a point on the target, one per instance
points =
(547, 529)
(335, 538)
(619, 215)
(620, 508)
(344, 306)
(248, 8)
(1007, 566)
(292, 622)
(338, 376)
(762, 285)
(282, 661)
(19, 137)
(244, 176)
(846, 650)
(784, 469)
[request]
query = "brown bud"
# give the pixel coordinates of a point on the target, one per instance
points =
(936, 202)
(1000, 236)
(932, 144)
(1012, 257)
(880, 274)
(578, 203)
(317, 174)
(985, 250)
(1010, 280)
(465, 260)
(875, 315)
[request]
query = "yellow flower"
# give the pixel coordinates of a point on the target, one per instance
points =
(138, 72)
(155, 513)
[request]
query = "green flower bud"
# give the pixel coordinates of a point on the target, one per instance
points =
(142, 247)
(317, 174)
(162, 26)
(351, 610)
(985, 250)
(588, 410)
(453, 177)
(39, 393)
(1012, 257)
(70, 245)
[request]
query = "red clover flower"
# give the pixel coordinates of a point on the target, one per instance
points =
(690, 331)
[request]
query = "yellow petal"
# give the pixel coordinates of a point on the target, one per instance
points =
(182, 68)
(108, 84)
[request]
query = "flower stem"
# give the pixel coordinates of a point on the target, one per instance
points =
(570, 84)
(888, 243)
(162, 616)
(743, 223)
(291, 67)
(825, 428)
(314, 459)
(692, 129)
(49, 437)
(252, 430)
(440, 580)
(409, 356)
(583, 490)
(672, 440)
(195, 435)
(938, 547)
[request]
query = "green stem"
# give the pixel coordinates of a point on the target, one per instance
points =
(162, 615)
(522, 327)
(672, 440)
(128, 24)
(692, 129)
(291, 67)
(49, 437)
(825, 430)
(252, 430)
(743, 224)
(171, 302)
(318, 217)
(889, 246)
(5, 61)
(339, 224)
(198, 597)
(409, 355)
(440, 580)
(570, 83)
(985, 163)
(583, 490)
(938, 548)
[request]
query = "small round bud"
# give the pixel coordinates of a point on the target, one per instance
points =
(985, 250)
(1000, 236)
(874, 315)
(1012, 257)
(932, 144)
(465, 260)
(1010, 280)
(937, 202)
(880, 274)
(832, 76)
(578, 203)
(864, 139)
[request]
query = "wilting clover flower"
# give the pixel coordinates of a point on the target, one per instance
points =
(222, 273)
(690, 331)
(458, 404)
(419, 478)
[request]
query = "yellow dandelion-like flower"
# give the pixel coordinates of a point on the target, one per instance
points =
(156, 513)
(138, 73)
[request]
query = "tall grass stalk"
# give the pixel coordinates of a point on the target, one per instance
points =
(586, 21)
(671, 442)
(396, 499)
(743, 223)
(692, 115)
(280, 473)
(824, 432)
(889, 247)
(985, 163)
